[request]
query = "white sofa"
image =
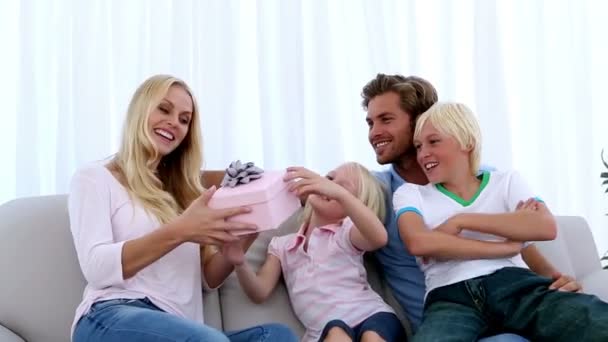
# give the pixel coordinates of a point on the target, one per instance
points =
(41, 283)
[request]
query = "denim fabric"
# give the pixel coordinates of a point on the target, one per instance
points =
(513, 300)
(399, 267)
(385, 324)
(136, 320)
(504, 338)
(267, 332)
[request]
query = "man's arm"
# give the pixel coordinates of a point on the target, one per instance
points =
(423, 242)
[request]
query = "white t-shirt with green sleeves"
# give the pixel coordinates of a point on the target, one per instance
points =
(499, 192)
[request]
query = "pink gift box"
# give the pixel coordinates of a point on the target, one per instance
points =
(270, 201)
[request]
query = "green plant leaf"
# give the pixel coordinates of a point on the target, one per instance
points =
(604, 175)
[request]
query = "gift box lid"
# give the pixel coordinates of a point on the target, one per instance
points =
(259, 190)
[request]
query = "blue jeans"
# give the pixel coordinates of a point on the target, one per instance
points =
(385, 324)
(513, 300)
(504, 338)
(136, 320)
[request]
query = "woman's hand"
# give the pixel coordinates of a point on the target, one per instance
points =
(203, 225)
(305, 182)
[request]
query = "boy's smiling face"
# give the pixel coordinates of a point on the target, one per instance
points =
(439, 155)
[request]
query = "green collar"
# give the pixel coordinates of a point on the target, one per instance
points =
(485, 178)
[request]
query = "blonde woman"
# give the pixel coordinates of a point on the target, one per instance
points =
(467, 230)
(323, 262)
(139, 222)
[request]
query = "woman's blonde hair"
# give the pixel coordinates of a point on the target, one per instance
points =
(457, 121)
(369, 191)
(167, 190)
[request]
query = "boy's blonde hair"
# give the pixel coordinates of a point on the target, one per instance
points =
(457, 121)
(369, 191)
(166, 191)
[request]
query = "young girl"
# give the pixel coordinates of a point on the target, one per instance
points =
(468, 230)
(323, 262)
(139, 222)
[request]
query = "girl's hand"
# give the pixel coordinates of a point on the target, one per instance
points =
(234, 252)
(305, 182)
(203, 225)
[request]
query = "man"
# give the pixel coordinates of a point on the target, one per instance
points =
(393, 103)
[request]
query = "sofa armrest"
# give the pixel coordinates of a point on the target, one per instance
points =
(9, 336)
(573, 252)
(595, 284)
(580, 245)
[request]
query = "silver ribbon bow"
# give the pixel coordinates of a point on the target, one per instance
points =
(239, 173)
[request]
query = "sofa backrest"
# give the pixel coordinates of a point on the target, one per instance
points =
(42, 283)
(573, 252)
(41, 280)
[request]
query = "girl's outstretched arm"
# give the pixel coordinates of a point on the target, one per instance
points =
(258, 286)
(216, 266)
(370, 233)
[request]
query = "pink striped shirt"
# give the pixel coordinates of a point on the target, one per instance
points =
(328, 281)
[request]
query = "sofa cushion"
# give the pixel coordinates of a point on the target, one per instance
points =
(8, 336)
(595, 284)
(211, 309)
(41, 280)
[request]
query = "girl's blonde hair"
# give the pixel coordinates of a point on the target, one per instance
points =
(369, 191)
(167, 190)
(457, 121)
